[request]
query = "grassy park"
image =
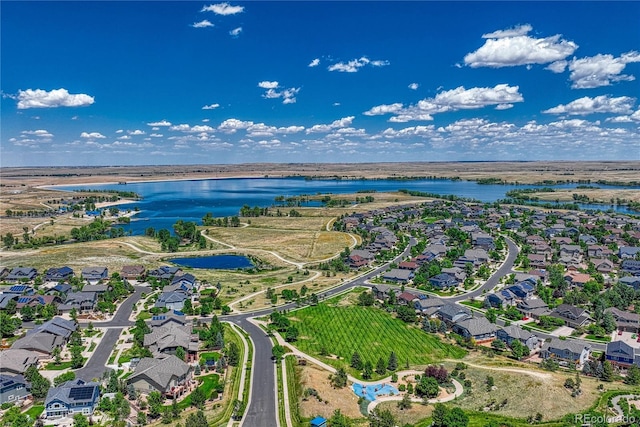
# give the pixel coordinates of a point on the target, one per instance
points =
(373, 333)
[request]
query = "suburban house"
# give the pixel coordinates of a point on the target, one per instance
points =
(574, 317)
(443, 281)
(6, 298)
(631, 266)
(381, 292)
(167, 339)
(94, 275)
(537, 260)
(187, 282)
(61, 274)
(622, 354)
(628, 252)
(452, 313)
(633, 281)
(457, 272)
(603, 265)
(398, 275)
(170, 318)
(15, 361)
(405, 298)
(511, 333)
(478, 328)
(37, 300)
(501, 299)
(522, 290)
(12, 388)
(360, 258)
(20, 274)
(566, 351)
(81, 301)
(625, 321)
(172, 300)
(72, 397)
(428, 306)
(533, 308)
(20, 290)
(573, 278)
(165, 272)
(170, 376)
(483, 240)
(132, 272)
(44, 338)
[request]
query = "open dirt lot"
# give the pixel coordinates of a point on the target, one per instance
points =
(344, 399)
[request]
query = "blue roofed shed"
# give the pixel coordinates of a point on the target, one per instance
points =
(319, 422)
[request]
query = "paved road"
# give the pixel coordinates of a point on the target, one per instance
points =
(262, 408)
(95, 366)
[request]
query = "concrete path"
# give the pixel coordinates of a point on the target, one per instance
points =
(458, 392)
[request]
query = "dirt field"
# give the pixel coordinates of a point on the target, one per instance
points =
(523, 172)
(344, 399)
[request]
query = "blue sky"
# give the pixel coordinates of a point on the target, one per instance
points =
(127, 83)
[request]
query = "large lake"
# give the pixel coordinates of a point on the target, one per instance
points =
(164, 202)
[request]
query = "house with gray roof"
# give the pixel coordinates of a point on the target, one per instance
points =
(95, 275)
(452, 313)
(16, 361)
(428, 306)
(20, 274)
(622, 354)
(61, 274)
(381, 291)
(167, 339)
(398, 275)
(166, 272)
(81, 301)
(574, 317)
(41, 343)
(478, 328)
(511, 333)
(628, 252)
(633, 281)
(625, 320)
(169, 375)
(443, 281)
(13, 388)
(6, 298)
(566, 351)
(171, 317)
(533, 308)
(631, 266)
(70, 398)
(172, 300)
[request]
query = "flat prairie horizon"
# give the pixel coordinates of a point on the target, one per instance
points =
(523, 172)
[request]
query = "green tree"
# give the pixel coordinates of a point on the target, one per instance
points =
(291, 334)
(366, 299)
(80, 420)
(28, 313)
(406, 314)
(8, 325)
(381, 367)
(607, 371)
(456, 418)
(489, 383)
(233, 354)
(633, 375)
(392, 364)
(339, 420)
(196, 420)
(198, 398)
(439, 415)
(381, 418)
(427, 387)
(63, 378)
(367, 370)
(519, 350)
(76, 357)
(339, 379)
(39, 384)
(356, 362)
(154, 400)
(491, 315)
(608, 322)
(405, 403)
(142, 418)
(277, 351)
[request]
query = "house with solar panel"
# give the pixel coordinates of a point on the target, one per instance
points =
(43, 339)
(57, 275)
(13, 388)
(95, 275)
(72, 397)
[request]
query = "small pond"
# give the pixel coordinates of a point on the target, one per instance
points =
(215, 262)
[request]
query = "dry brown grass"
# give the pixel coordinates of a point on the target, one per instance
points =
(598, 195)
(296, 245)
(343, 398)
(410, 416)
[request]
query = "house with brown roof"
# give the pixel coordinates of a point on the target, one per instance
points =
(132, 272)
(169, 375)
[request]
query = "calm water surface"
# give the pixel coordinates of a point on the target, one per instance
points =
(164, 202)
(216, 262)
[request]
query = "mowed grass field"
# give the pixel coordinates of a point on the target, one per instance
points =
(372, 332)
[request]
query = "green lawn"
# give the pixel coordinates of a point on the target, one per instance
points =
(209, 355)
(51, 366)
(35, 411)
(207, 384)
(370, 331)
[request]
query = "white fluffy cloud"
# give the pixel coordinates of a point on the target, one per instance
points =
(336, 124)
(136, 132)
(508, 48)
(92, 135)
(599, 104)
(192, 129)
(235, 32)
(160, 123)
(315, 62)
(40, 133)
(202, 24)
(414, 86)
(268, 85)
(384, 109)
(232, 125)
(502, 96)
(38, 98)
(211, 107)
(288, 95)
(223, 9)
(600, 70)
(355, 64)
